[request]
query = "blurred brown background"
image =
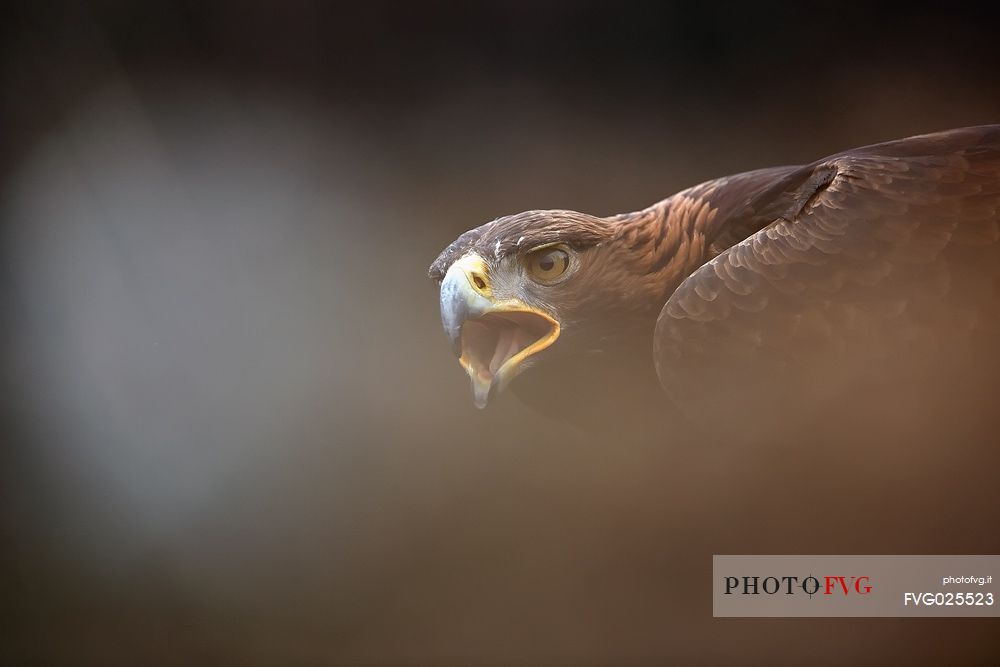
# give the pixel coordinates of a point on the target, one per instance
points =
(233, 430)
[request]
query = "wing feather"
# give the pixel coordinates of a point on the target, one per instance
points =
(888, 261)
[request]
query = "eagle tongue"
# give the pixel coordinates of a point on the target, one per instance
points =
(508, 345)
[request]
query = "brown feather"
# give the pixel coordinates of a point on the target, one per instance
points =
(891, 266)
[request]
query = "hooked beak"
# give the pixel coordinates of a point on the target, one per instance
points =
(491, 338)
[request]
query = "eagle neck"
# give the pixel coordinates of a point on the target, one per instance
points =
(667, 241)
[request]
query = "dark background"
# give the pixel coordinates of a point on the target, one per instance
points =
(233, 430)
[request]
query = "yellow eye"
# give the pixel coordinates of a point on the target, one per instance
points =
(546, 265)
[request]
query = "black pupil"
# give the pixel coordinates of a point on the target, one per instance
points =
(546, 263)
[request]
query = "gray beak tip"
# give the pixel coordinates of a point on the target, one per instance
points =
(481, 394)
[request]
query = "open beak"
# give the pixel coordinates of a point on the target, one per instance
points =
(492, 338)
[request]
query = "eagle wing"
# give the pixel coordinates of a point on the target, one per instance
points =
(883, 261)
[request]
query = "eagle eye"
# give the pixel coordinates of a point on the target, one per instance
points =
(547, 264)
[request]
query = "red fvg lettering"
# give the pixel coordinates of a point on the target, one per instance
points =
(859, 585)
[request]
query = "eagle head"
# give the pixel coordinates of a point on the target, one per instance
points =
(535, 288)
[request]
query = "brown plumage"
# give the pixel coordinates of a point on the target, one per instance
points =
(773, 284)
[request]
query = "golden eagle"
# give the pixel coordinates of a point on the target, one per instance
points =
(744, 291)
